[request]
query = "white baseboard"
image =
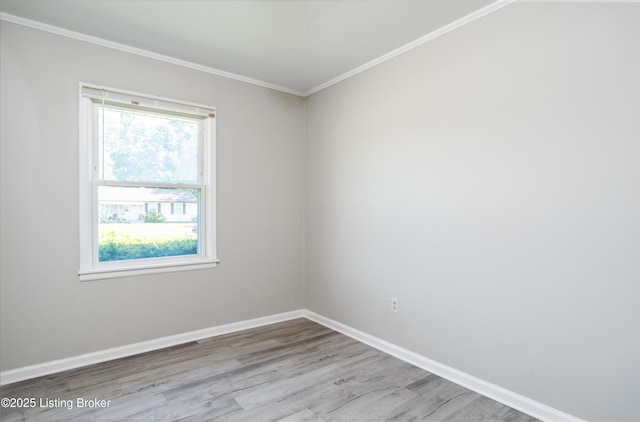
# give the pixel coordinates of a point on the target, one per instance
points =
(509, 398)
(47, 368)
(502, 395)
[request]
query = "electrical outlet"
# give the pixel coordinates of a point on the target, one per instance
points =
(395, 305)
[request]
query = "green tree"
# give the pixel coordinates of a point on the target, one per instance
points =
(144, 147)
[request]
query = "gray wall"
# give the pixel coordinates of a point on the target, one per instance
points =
(45, 312)
(490, 179)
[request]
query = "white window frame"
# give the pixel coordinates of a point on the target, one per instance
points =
(92, 96)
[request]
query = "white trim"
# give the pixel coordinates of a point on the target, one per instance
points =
(47, 368)
(492, 391)
(499, 4)
(140, 52)
(86, 211)
(89, 182)
(209, 150)
(117, 272)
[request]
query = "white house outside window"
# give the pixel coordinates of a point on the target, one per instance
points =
(147, 184)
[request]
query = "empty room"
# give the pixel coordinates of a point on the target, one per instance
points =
(332, 210)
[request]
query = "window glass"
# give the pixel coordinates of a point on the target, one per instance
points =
(137, 234)
(144, 146)
(147, 185)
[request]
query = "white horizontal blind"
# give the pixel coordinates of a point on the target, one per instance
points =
(112, 95)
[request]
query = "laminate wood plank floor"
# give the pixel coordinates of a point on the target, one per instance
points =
(291, 371)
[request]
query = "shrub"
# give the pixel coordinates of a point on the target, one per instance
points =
(154, 217)
(111, 249)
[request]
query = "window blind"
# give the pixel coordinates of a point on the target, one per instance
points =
(111, 95)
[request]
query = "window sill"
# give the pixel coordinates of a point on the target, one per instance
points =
(104, 273)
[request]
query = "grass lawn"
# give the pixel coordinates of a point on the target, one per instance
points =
(155, 231)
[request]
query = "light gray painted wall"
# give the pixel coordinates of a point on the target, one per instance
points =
(490, 179)
(45, 312)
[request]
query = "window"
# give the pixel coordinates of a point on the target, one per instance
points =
(178, 208)
(147, 184)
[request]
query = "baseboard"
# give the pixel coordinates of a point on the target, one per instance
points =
(48, 368)
(509, 398)
(502, 395)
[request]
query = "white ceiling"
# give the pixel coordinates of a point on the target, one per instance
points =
(298, 46)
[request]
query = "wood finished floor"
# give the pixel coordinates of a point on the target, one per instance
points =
(291, 371)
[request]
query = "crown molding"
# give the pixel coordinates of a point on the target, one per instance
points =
(499, 4)
(140, 52)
